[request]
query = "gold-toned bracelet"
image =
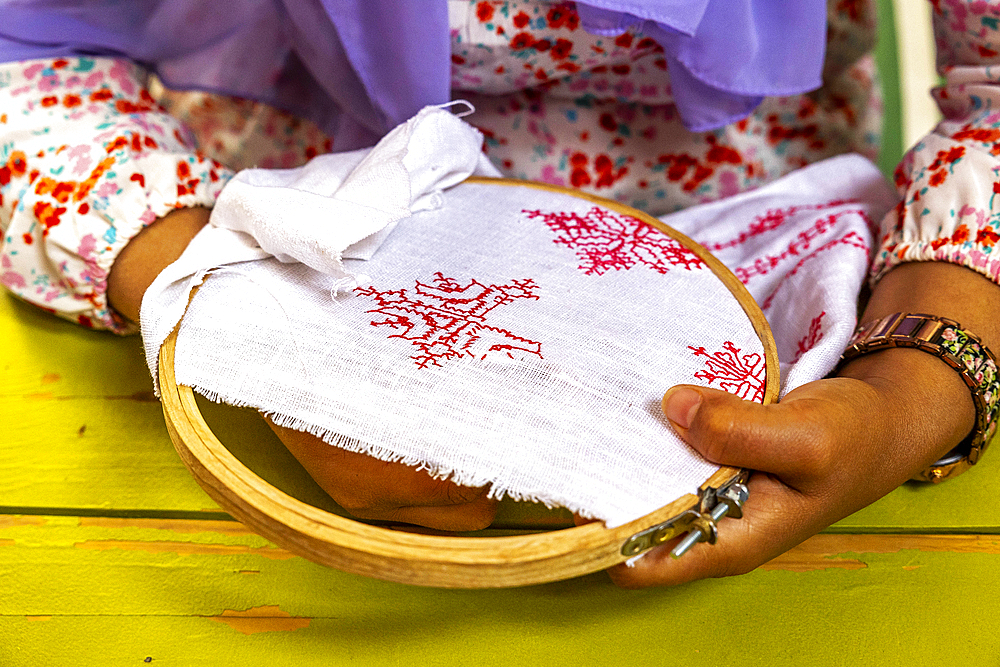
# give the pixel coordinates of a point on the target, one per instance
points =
(959, 349)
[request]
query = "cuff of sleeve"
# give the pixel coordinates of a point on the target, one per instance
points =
(950, 210)
(975, 249)
(80, 238)
(91, 161)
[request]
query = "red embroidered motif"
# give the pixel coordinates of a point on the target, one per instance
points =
(446, 320)
(813, 336)
(605, 241)
(775, 218)
(851, 238)
(764, 265)
(743, 376)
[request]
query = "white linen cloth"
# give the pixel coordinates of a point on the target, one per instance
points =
(801, 246)
(355, 197)
(511, 336)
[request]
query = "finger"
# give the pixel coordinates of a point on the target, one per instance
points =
(474, 515)
(789, 439)
(368, 487)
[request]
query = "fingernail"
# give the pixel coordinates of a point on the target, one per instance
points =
(680, 405)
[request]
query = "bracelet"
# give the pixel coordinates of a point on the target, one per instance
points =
(959, 349)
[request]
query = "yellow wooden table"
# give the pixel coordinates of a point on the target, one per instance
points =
(111, 555)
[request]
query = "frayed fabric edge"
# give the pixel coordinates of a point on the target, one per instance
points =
(462, 478)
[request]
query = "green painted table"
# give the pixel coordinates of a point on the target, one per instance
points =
(111, 555)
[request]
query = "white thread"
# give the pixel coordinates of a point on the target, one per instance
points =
(462, 114)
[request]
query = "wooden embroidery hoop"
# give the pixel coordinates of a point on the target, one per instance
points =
(433, 560)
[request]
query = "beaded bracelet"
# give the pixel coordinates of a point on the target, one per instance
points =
(959, 349)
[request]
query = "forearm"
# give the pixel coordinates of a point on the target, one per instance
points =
(151, 251)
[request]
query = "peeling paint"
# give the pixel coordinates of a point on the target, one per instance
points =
(836, 545)
(185, 548)
(268, 618)
(11, 521)
(173, 525)
(822, 552)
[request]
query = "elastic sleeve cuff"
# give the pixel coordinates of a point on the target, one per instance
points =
(87, 160)
(949, 211)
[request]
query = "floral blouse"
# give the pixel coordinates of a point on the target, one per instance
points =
(93, 149)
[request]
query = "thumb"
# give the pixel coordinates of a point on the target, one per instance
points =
(781, 439)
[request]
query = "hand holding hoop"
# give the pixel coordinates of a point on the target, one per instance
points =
(828, 449)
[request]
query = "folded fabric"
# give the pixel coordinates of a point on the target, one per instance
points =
(337, 206)
(801, 246)
(321, 212)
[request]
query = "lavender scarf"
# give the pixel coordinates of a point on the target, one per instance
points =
(359, 67)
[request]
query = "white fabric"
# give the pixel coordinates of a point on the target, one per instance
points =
(517, 337)
(801, 246)
(355, 197)
(344, 202)
(540, 379)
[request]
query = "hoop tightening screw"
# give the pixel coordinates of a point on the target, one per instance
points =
(704, 529)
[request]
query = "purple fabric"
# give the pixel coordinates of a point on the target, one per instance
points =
(359, 67)
(724, 56)
(356, 67)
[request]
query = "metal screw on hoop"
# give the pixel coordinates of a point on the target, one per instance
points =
(703, 529)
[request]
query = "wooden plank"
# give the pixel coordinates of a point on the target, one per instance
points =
(66, 603)
(81, 428)
(92, 453)
(462, 635)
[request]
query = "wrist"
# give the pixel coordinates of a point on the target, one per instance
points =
(929, 397)
(147, 254)
(962, 356)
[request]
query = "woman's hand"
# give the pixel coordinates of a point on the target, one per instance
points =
(835, 445)
(373, 489)
(829, 448)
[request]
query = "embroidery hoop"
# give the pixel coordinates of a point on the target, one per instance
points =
(434, 560)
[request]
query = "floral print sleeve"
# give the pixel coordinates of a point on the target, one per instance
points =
(950, 180)
(87, 159)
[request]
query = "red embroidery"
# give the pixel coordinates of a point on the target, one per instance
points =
(813, 336)
(764, 265)
(446, 320)
(851, 238)
(774, 218)
(743, 376)
(605, 241)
